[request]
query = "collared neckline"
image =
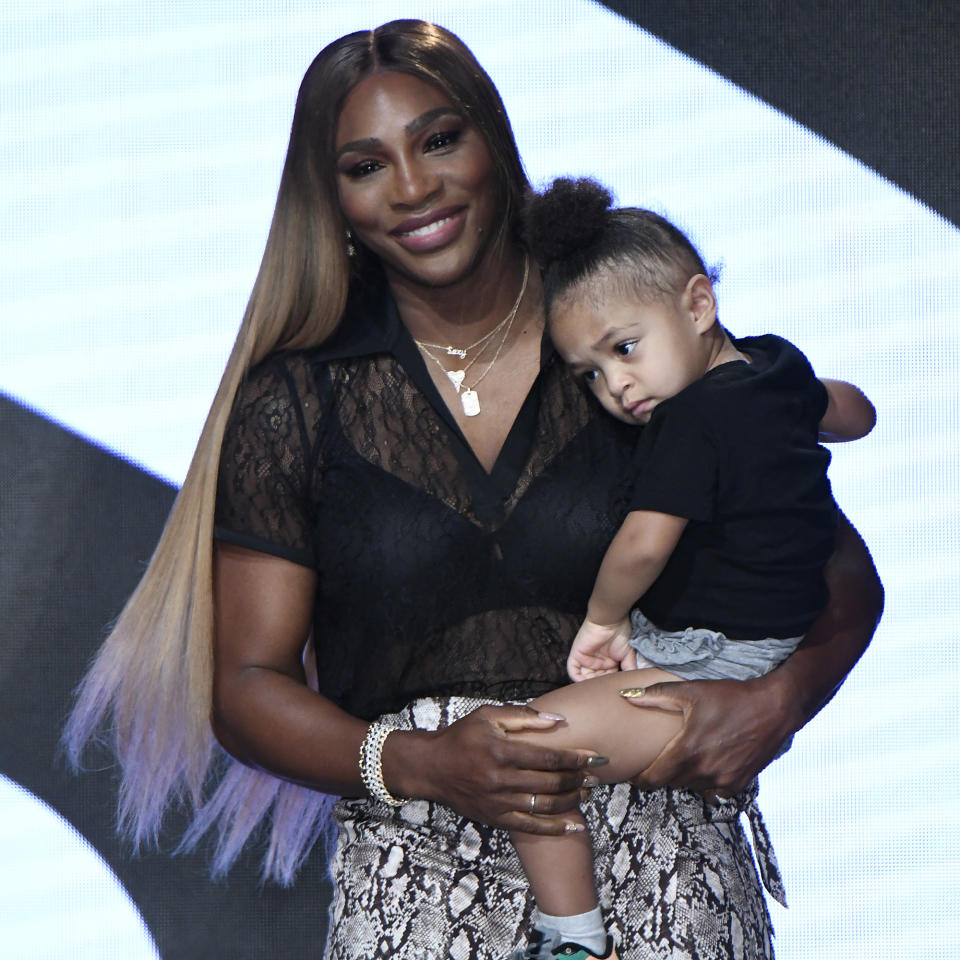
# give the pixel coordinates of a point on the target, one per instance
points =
(371, 325)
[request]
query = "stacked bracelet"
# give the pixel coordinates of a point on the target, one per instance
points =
(371, 763)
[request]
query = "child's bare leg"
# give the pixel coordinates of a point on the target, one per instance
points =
(599, 719)
(560, 869)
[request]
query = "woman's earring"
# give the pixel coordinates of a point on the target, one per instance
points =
(351, 249)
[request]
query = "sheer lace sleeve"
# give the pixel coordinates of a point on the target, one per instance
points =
(263, 496)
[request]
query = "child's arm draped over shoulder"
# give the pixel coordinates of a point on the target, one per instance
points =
(850, 415)
(634, 559)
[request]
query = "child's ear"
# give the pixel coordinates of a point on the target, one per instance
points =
(699, 299)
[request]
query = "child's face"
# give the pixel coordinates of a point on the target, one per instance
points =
(632, 354)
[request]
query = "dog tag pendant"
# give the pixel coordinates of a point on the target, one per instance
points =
(470, 401)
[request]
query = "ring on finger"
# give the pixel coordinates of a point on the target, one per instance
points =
(533, 802)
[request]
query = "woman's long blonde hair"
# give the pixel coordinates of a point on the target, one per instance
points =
(150, 685)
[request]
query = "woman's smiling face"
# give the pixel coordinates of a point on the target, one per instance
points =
(416, 179)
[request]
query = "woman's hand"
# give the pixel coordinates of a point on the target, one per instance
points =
(477, 767)
(731, 730)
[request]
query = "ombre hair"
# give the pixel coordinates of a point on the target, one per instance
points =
(148, 693)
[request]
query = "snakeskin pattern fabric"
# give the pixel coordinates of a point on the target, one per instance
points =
(676, 877)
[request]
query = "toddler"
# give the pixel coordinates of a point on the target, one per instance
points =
(716, 571)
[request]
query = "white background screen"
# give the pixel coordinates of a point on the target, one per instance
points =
(140, 150)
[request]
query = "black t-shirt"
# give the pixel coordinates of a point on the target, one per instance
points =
(434, 576)
(736, 453)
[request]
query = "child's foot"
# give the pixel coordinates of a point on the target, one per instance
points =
(574, 951)
(540, 944)
(544, 945)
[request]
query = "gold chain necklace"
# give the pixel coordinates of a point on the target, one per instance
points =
(462, 352)
(469, 399)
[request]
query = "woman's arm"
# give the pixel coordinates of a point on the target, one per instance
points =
(266, 716)
(733, 729)
(850, 415)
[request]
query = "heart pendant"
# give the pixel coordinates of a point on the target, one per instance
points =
(456, 378)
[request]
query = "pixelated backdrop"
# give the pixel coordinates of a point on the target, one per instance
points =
(810, 148)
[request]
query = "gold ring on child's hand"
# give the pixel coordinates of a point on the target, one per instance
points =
(533, 802)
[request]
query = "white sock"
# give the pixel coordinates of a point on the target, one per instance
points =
(587, 929)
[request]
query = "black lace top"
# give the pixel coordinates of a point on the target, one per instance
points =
(434, 576)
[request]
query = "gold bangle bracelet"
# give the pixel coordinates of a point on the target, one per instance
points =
(371, 763)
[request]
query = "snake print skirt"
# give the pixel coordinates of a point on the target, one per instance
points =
(675, 876)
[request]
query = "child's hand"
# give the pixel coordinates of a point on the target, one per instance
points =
(601, 648)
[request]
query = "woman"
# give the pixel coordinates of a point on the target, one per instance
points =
(408, 473)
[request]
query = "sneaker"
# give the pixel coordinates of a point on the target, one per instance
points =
(544, 945)
(574, 951)
(540, 944)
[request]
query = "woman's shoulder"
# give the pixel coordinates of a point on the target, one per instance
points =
(284, 365)
(281, 398)
(285, 376)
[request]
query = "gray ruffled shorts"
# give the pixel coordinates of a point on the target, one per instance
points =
(675, 876)
(696, 653)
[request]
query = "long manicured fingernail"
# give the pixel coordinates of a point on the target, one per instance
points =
(551, 716)
(590, 780)
(573, 828)
(633, 693)
(597, 761)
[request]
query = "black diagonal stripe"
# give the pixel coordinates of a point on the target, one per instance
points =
(76, 527)
(879, 78)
